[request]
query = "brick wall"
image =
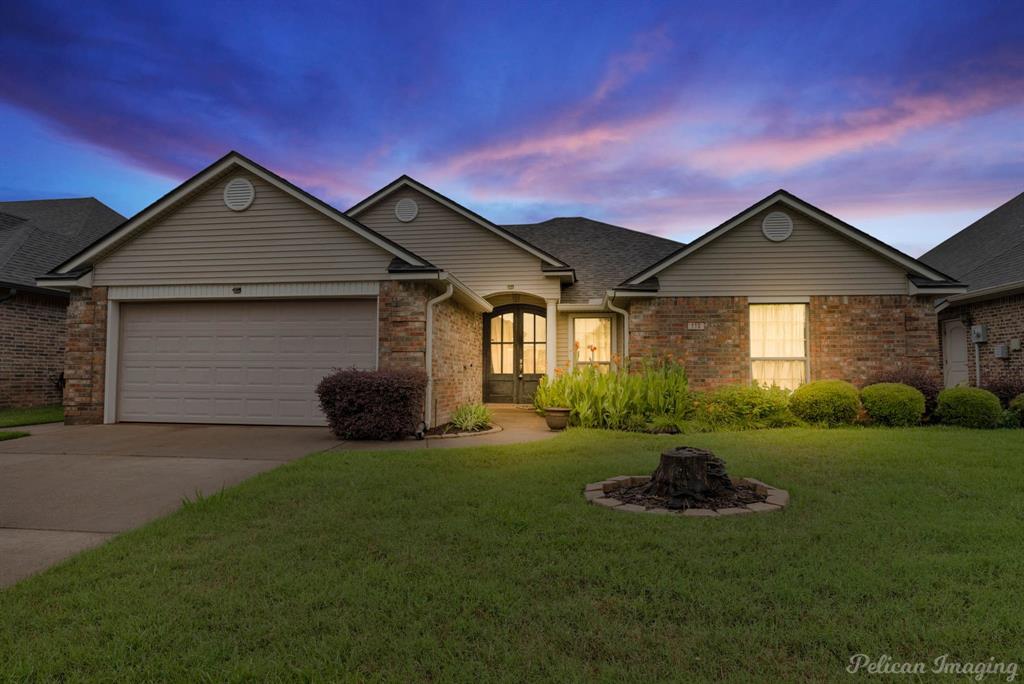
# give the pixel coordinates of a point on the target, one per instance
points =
(402, 318)
(851, 337)
(718, 354)
(33, 332)
(857, 337)
(1004, 318)
(85, 360)
(458, 345)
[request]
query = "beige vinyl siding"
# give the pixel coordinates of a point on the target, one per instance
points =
(815, 260)
(277, 239)
(486, 262)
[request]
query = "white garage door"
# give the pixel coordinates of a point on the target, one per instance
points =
(252, 362)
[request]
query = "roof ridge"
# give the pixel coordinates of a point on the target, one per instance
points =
(603, 223)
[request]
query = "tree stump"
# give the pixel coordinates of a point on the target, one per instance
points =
(686, 476)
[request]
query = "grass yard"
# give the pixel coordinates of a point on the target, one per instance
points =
(11, 434)
(486, 564)
(31, 416)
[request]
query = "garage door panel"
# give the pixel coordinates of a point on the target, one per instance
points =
(238, 362)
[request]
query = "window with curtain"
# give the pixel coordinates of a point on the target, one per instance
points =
(592, 341)
(503, 343)
(778, 344)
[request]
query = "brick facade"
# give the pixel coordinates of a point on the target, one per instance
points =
(851, 337)
(858, 337)
(33, 333)
(402, 325)
(1004, 318)
(458, 372)
(85, 361)
(718, 354)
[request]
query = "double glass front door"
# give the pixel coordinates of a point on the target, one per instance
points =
(515, 353)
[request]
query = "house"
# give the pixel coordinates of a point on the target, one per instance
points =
(982, 328)
(35, 236)
(227, 299)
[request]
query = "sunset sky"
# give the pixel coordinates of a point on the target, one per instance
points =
(903, 118)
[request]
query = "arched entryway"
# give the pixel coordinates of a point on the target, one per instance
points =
(515, 352)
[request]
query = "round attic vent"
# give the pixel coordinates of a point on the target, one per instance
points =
(406, 209)
(239, 194)
(777, 226)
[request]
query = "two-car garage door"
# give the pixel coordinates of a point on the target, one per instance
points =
(253, 362)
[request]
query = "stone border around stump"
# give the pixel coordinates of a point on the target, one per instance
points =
(598, 493)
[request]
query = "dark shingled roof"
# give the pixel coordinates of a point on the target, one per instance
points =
(37, 235)
(987, 253)
(602, 254)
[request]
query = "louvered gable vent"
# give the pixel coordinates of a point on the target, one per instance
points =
(406, 209)
(239, 194)
(777, 226)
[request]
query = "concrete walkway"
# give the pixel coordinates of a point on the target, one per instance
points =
(68, 488)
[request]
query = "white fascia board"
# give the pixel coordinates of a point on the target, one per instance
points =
(204, 177)
(82, 282)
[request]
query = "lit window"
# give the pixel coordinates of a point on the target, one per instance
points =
(592, 340)
(778, 344)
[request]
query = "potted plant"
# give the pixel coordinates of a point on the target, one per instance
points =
(551, 402)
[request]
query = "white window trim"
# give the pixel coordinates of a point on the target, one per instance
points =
(806, 358)
(572, 336)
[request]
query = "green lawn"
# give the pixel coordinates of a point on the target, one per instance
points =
(486, 564)
(11, 434)
(31, 416)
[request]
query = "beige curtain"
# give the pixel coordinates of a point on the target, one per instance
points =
(778, 331)
(594, 337)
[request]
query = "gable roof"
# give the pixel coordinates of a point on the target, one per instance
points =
(552, 263)
(36, 235)
(84, 258)
(602, 254)
(913, 266)
(989, 252)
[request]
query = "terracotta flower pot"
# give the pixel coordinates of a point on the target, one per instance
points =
(557, 418)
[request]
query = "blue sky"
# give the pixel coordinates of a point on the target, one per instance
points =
(906, 119)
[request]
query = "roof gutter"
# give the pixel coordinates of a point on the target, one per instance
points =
(608, 297)
(428, 400)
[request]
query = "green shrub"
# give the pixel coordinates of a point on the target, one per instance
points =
(471, 417)
(617, 399)
(929, 384)
(745, 407)
(1009, 420)
(893, 404)
(826, 402)
(1016, 407)
(969, 407)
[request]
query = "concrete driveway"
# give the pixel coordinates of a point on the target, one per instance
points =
(67, 488)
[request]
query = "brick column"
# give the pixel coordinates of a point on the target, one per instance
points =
(402, 321)
(85, 360)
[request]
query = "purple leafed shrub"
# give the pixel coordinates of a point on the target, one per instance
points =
(1006, 390)
(372, 404)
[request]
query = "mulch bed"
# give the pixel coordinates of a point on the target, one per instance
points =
(745, 494)
(449, 429)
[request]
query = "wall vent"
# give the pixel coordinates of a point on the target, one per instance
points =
(239, 194)
(406, 209)
(777, 226)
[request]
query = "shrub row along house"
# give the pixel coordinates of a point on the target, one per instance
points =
(229, 298)
(35, 236)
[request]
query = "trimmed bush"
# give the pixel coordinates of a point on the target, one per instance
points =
(472, 417)
(969, 407)
(893, 404)
(826, 402)
(928, 384)
(748, 407)
(1016, 407)
(372, 404)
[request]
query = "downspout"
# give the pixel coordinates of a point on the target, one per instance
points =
(977, 365)
(428, 407)
(625, 328)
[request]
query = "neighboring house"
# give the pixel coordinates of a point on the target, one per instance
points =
(228, 299)
(35, 236)
(988, 256)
